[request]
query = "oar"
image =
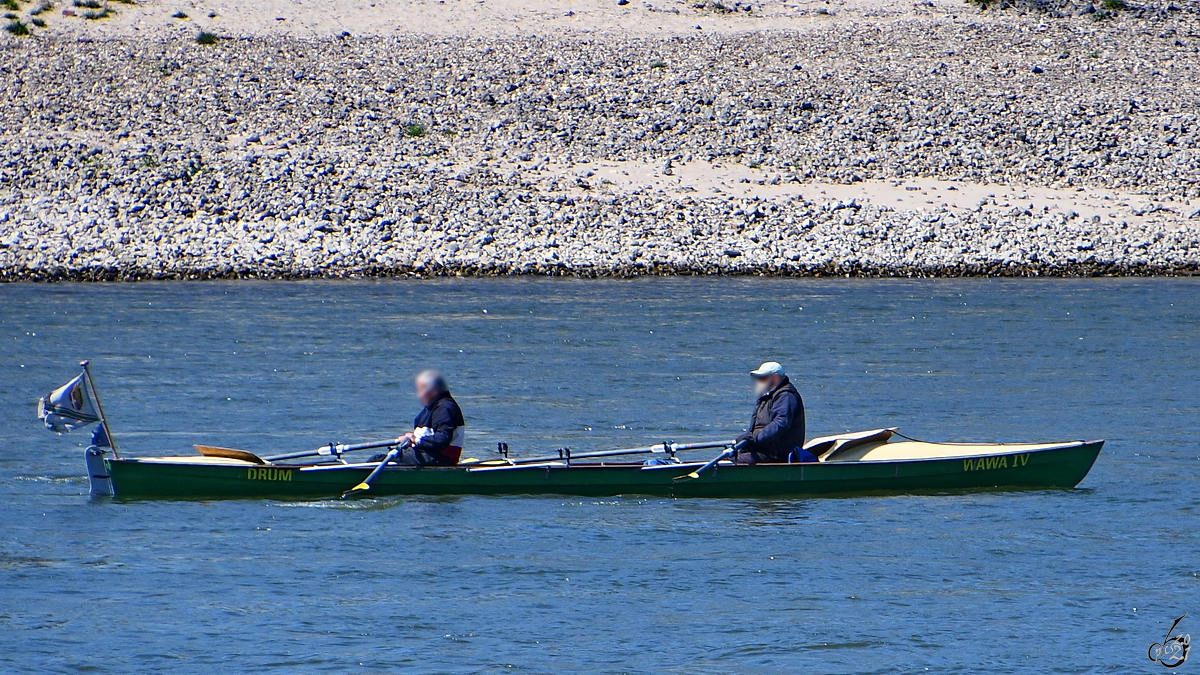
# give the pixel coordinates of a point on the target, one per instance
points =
(333, 449)
(336, 449)
(729, 452)
(366, 483)
(659, 448)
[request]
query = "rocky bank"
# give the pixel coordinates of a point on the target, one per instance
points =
(286, 157)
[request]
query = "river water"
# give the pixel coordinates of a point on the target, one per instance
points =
(1078, 580)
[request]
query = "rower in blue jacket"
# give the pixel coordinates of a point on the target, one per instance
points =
(437, 435)
(776, 432)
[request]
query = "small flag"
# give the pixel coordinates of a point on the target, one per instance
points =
(68, 407)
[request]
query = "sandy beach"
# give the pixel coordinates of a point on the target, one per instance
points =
(492, 19)
(556, 138)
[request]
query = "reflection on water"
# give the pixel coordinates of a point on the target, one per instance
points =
(775, 513)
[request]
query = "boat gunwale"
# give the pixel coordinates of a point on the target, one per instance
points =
(163, 460)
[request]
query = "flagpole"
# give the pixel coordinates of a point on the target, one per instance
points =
(87, 375)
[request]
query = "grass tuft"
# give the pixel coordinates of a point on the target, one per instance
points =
(94, 14)
(42, 9)
(10, 4)
(179, 15)
(414, 130)
(39, 22)
(147, 162)
(206, 38)
(17, 28)
(1113, 5)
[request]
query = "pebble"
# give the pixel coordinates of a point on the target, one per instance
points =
(282, 158)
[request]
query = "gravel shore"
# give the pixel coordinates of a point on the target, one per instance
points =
(285, 157)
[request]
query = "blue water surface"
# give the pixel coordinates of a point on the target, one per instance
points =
(1071, 581)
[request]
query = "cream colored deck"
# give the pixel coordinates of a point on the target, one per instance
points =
(193, 459)
(901, 450)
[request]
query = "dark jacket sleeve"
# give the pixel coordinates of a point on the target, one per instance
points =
(783, 414)
(443, 419)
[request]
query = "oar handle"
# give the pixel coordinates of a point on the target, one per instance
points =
(342, 448)
(336, 449)
(703, 445)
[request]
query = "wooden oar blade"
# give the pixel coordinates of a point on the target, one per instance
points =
(228, 453)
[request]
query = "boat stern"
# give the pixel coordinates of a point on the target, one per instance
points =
(98, 475)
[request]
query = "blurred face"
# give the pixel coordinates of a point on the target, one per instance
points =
(426, 390)
(763, 385)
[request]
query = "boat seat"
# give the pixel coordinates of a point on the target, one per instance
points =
(827, 447)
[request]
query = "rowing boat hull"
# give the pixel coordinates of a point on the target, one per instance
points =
(1062, 466)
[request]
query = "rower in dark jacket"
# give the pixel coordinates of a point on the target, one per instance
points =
(437, 435)
(776, 432)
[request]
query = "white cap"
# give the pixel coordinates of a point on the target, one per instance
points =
(767, 369)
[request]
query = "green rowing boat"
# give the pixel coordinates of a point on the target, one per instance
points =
(875, 461)
(880, 460)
